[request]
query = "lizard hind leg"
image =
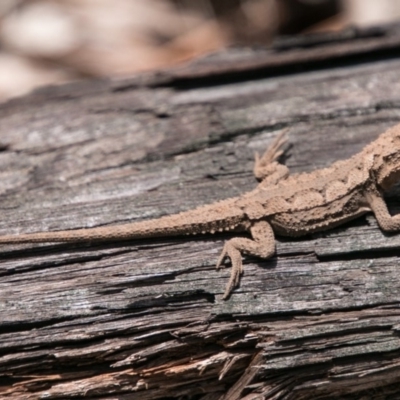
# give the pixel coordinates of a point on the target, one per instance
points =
(267, 166)
(262, 245)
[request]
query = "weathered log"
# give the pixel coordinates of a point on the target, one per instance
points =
(145, 319)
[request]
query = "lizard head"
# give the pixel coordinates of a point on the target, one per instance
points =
(386, 158)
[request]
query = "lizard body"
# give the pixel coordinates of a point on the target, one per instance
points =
(287, 205)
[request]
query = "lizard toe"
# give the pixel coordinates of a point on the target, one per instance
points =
(233, 253)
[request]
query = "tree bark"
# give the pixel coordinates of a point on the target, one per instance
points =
(145, 319)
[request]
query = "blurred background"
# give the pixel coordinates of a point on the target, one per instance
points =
(55, 41)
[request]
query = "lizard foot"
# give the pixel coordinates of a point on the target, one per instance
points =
(262, 245)
(274, 151)
(267, 165)
(233, 253)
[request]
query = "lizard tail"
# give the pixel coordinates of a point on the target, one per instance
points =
(219, 216)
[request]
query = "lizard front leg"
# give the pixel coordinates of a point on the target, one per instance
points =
(262, 245)
(387, 222)
(266, 168)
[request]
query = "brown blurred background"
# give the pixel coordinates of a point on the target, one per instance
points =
(54, 41)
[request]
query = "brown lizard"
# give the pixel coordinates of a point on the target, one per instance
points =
(286, 205)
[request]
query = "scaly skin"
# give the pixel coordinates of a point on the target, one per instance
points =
(287, 205)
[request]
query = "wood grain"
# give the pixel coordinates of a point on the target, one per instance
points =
(145, 319)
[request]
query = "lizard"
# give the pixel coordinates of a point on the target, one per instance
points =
(281, 204)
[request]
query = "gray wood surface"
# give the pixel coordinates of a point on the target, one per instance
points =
(145, 319)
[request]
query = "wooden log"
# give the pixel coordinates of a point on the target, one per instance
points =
(145, 319)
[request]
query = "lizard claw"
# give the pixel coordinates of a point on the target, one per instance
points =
(221, 259)
(273, 152)
(267, 164)
(233, 253)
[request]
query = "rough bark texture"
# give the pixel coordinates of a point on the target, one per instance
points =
(145, 320)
